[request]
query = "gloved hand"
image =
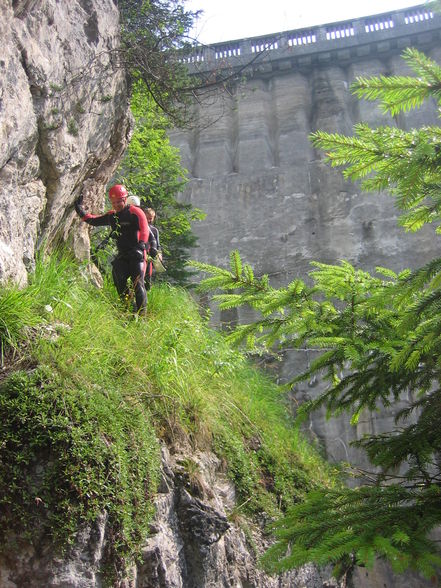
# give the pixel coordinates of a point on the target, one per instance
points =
(79, 209)
(153, 252)
(137, 254)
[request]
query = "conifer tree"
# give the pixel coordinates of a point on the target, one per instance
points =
(379, 336)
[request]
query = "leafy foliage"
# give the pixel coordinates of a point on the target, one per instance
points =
(154, 41)
(156, 48)
(15, 315)
(389, 521)
(152, 170)
(402, 93)
(379, 337)
(407, 163)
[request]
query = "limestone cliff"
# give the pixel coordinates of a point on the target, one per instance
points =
(64, 119)
(193, 544)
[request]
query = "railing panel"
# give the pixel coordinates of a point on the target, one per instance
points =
(340, 31)
(419, 15)
(302, 38)
(384, 23)
(264, 45)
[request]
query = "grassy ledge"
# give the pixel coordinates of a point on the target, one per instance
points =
(87, 395)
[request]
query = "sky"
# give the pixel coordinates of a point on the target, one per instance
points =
(226, 20)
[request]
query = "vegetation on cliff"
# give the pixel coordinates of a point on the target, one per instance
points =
(154, 38)
(88, 394)
(378, 338)
(156, 48)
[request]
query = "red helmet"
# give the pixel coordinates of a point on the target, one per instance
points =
(117, 192)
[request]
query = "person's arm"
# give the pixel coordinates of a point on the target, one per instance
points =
(143, 227)
(100, 220)
(156, 235)
(144, 234)
(153, 245)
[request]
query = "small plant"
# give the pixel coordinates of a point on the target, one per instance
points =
(16, 313)
(80, 108)
(235, 516)
(72, 127)
(53, 126)
(195, 480)
(106, 98)
(55, 87)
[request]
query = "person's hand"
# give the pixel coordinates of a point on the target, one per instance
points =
(153, 252)
(138, 254)
(79, 209)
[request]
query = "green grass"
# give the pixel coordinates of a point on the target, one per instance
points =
(92, 394)
(16, 313)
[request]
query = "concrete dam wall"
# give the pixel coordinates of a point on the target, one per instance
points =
(268, 193)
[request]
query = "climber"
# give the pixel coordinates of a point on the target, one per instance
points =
(152, 264)
(151, 214)
(133, 240)
(157, 263)
(135, 200)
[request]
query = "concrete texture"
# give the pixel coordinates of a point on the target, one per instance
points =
(268, 193)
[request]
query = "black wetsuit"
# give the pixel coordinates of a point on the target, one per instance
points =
(133, 239)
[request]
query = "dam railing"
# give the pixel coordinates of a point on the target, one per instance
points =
(344, 39)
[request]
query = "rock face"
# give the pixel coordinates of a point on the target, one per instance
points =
(193, 543)
(64, 121)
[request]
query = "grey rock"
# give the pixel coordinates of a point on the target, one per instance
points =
(195, 545)
(64, 122)
(192, 544)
